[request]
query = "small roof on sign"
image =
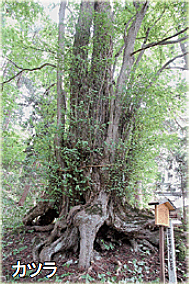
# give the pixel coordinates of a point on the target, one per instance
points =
(168, 203)
(154, 203)
(165, 201)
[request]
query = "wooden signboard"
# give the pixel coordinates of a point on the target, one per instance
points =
(162, 208)
(162, 215)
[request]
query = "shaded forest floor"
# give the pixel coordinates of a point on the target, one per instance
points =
(113, 261)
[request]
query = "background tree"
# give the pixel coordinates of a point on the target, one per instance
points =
(114, 89)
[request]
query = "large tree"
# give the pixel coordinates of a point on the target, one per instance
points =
(114, 91)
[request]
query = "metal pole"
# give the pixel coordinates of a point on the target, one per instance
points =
(161, 254)
(171, 254)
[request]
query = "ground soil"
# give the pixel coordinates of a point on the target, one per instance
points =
(114, 261)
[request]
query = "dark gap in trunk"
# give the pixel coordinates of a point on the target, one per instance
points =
(109, 234)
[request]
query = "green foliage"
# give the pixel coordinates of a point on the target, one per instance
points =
(16, 251)
(11, 212)
(30, 39)
(87, 278)
(109, 246)
(12, 149)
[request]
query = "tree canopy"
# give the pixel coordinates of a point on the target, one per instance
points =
(152, 95)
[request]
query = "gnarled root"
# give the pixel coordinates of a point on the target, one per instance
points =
(44, 251)
(89, 222)
(135, 224)
(44, 209)
(84, 222)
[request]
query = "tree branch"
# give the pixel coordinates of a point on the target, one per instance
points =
(164, 67)
(135, 106)
(39, 49)
(170, 61)
(143, 45)
(158, 19)
(122, 47)
(177, 67)
(184, 50)
(141, 52)
(26, 69)
(46, 91)
(163, 41)
(174, 41)
(127, 63)
(32, 69)
(127, 25)
(14, 63)
(116, 57)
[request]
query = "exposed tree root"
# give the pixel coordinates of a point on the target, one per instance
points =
(45, 209)
(41, 228)
(44, 250)
(80, 226)
(134, 223)
(69, 240)
(89, 222)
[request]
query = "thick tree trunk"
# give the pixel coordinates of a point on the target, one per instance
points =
(92, 143)
(61, 96)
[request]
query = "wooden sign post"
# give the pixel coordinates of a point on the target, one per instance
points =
(161, 254)
(162, 208)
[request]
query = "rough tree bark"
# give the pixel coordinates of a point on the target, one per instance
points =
(95, 135)
(94, 117)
